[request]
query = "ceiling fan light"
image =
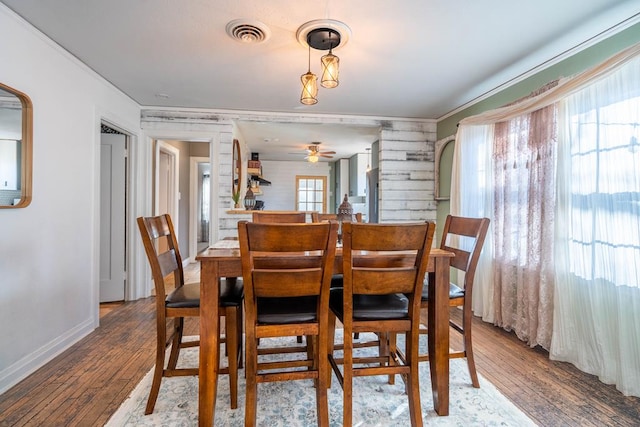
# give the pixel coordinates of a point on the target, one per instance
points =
(330, 70)
(313, 158)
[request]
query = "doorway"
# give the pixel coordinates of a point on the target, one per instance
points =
(182, 176)
(199, 204)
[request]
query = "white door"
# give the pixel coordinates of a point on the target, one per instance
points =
(112, 216)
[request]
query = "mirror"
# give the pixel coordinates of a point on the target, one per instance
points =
(444, 156)
(236, 174)
(16, 128)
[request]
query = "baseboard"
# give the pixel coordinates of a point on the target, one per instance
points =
(24, 367)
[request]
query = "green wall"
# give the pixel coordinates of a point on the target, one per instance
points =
(567, 67)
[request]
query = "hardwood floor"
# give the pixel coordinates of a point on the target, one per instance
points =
(87, 383)
(551, 393)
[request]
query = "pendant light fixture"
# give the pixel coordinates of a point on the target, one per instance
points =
(330, 66)
(309, 85)
(322, 34)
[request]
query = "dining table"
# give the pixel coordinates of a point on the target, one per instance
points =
(223, 260)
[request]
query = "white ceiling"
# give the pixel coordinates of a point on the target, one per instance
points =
(409, 58)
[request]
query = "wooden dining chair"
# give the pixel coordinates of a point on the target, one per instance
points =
(384, 267)
(319, 217)
(279, 217)
(163, 253)
(465, 238)
(287, 274)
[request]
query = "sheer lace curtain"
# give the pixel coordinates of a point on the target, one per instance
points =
(523, 212)
(506, 172)
(561, 264)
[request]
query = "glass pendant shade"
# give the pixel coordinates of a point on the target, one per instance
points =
(330, 70)
(313, 158)
(309, 94)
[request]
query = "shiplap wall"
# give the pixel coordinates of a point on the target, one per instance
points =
(406, 166)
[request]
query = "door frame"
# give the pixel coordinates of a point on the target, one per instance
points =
(193, 204)
(173, 189)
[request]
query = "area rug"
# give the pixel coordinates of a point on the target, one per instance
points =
(292, 403)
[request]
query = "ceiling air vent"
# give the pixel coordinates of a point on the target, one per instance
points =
(247, 31)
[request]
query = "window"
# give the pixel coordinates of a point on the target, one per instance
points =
(582, 305)
(311, 193)
(605, 191)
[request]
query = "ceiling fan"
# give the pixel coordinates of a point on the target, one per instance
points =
(314, 153)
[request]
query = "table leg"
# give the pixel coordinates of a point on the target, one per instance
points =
(209, 346)
(439, 335)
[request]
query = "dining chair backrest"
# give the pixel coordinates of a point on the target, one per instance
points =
(163, 253)
(385, 258)
(279, 217)
(464, 236)
(319, 217)
(286, 260)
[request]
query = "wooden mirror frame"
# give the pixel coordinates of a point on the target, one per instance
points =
(236, 169)
(26, 148)
(439, 148)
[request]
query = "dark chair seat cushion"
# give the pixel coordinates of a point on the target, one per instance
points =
(337, 281)
(287, 310)
(371, 307)
(185, 296)
(231, 292)
(454, 291)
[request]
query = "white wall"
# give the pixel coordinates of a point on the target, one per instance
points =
(281, 194)
(49, 250)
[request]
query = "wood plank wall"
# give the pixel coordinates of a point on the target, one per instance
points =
(407, 165)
